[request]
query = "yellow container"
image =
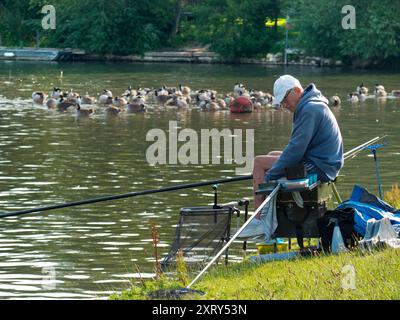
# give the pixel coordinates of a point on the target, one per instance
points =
(264, 248)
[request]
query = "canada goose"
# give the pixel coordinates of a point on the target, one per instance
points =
(57, 93)
(75, 99)
(203, 95)
(266, 100)
(212, 106)
(129, 92)
(244, 93)
(119, 102)
(361, 89)
(238, 89)
(106, 97)
(162, 91)
(107, 92)
(203, 104)
(136, 100)
(213, 93)
(177, 93)
(83, 113)
(396, 93)
(105, 100)
(39, 97)
(143, 91)
(362, 97)
(181, 103)
(263, 102)
(151, 94)
(63, 105)
(136, 105)
(86, 99)
(269, 97)
(353, 97)
(185, 90)
(136, 108)
(113, 110)
(72, 95)
(380, 94)
(259, 98)
(335, 101)
(188, 99)
(380, 91)
(161, 96)
(170, 90)
(221, 103)
(258, 94)
(257, 105)
(52, 103)
(176, 101)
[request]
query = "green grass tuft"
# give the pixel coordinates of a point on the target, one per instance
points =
(393, 196)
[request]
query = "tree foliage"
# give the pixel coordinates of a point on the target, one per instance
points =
(98, 26)
(235, 28)
(17, 22)
(232, 28)
(117, 26)
(375, 39)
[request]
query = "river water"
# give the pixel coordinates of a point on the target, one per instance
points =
(49, 158)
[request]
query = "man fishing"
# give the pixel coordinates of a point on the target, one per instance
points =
(315, 141)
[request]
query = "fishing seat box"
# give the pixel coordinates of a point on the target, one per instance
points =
(296, 222)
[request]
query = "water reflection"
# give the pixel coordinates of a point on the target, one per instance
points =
(47, 158)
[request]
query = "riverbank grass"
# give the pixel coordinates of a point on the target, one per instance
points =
(352, 275)
(393, 196)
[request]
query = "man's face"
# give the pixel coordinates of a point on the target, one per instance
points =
(291, 99)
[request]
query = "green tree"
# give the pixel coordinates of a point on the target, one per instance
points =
(377, 36)
(375, 40)
(117, 26)
(18, 22)
(235, 28)
(98, 26)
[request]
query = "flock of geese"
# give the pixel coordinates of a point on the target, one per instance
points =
(140, 99)
(181, 97)
(362, 93)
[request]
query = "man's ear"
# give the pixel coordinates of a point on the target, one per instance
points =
(298, 91)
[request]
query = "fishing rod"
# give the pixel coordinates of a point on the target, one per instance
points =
(127, 195)
(355, 151)
(346, 155)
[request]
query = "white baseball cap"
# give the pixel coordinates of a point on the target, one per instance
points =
(282, 86)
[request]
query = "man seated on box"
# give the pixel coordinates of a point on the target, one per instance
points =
(315, 141)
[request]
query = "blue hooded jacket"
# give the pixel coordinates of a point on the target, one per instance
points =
(315, 138)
